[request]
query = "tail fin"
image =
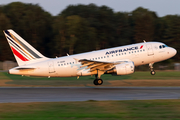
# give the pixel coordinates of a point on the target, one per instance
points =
(23, 51)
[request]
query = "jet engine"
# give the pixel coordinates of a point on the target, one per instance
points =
(124, 68)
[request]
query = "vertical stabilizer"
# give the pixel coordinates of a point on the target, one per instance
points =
(24, 53)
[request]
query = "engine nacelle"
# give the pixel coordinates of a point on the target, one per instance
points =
(125, 68)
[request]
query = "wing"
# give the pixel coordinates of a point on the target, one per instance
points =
(99, 65)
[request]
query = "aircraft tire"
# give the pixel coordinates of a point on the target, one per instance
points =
(98, 82)
(153, 72)
(95, 82)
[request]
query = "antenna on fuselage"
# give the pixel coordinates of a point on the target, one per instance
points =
(67, 54)
(144, 41)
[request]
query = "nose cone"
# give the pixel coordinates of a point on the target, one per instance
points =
(173, 52)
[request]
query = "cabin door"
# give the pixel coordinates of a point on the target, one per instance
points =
(149, 50)
(51, 67)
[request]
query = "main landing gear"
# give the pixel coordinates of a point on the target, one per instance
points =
(152, 70)
(98, 80)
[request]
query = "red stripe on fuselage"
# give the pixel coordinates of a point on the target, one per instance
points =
(19, 55)
(141, 47)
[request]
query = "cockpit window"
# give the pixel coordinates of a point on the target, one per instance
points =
(162, 46)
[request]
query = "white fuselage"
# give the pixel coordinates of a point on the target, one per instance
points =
(140, 54)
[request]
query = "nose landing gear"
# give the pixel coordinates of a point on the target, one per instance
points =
(152, 70)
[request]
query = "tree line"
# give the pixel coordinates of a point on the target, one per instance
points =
(81, 28)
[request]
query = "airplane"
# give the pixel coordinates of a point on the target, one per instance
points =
(118, 60)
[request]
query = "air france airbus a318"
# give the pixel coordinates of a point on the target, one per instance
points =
(118, 60)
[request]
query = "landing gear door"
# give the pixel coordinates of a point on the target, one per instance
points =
(149, 50)
(51, 67)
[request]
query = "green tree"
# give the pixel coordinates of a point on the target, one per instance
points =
(171, 33)
(31, 22)
(4, 47)
(100, 19)
(124, 33)
(144, 24)
(72, 34)
(59, 30)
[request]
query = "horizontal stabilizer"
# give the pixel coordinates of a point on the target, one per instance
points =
(25, 68)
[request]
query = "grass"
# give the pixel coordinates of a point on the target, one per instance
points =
(163, 78)
(93, 110)
(161, 75)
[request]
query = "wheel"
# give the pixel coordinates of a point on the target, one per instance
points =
(153, 72)
(98, 82)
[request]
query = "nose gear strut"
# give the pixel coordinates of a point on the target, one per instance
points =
(152, 70)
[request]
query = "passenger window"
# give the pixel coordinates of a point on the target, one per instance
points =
(116, 54)
(104, 56)
(61, 64)
(112, 55)
(160, 46)
(101, 57)
(98, 57)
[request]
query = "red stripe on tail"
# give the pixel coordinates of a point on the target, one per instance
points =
(19, 55)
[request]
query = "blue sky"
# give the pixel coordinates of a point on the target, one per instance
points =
(161, 7)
